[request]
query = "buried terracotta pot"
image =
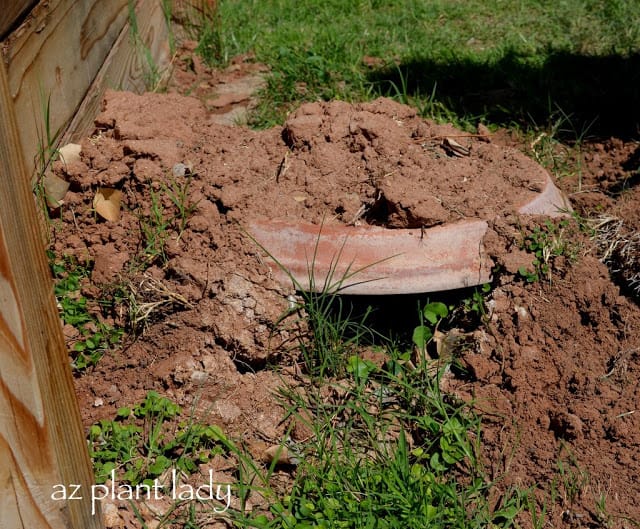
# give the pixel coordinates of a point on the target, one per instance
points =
(370, 260)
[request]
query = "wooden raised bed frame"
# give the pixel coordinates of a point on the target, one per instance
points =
(66, 52)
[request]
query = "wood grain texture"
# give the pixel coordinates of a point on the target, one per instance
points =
(11, 11)
(41, 438)
(127, 66)
(57, 53)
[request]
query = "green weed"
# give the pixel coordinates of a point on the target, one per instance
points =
(204, 25)
(602, 512)
(545, 243)
(153, 74)
(155, 229)
(327, 333)
(538, 515)
(572, 478)
(179, 196)
(334, 334)
(95, 336)
(433, 313)
(160, 223)
(142, 443)
(209, 36)
(48, 141)
(47, 138)
(167, 11)
(476, 304)
(387, 448)
(559, 146)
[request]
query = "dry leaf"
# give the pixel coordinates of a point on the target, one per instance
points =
(448, 343)
(70, 153)
(55, 188)
(107, 203)
(453, 148)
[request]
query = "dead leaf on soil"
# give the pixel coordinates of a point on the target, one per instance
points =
(107, 203)
(55, 188)
(70, 153)
(453, 148)
(447, 344)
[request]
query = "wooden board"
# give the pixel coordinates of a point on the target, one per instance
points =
(42, 444)
(127, 66)
(11, 11)
(56, 53)
(70, 51)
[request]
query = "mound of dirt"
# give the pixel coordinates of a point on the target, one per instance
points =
(376, 161)
(555, 376)
(556, 366)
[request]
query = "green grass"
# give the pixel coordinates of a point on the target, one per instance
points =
(48, 143)
(460, 61)
(169, 212)
(387, 449)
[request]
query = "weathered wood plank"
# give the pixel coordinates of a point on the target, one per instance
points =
(41, 438)
(11, 11)
(128, 66)
(56, 53)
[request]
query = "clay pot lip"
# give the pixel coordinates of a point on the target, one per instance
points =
(550, 202)
(389, 261)
(372, 260)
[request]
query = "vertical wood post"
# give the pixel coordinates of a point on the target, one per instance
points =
(42, 445)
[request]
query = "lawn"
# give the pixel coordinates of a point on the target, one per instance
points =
(465, 61)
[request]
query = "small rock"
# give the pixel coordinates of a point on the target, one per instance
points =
(280, 454)
(199, 377)
(70, 153)
(522, 313)
(227, 411)
(181, 169)
(110, 516)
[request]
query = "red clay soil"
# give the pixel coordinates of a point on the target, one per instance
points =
(555, 370)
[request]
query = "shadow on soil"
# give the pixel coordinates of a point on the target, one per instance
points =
(396, 316)
(599, 94)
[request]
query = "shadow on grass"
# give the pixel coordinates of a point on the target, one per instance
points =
(600, 94)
